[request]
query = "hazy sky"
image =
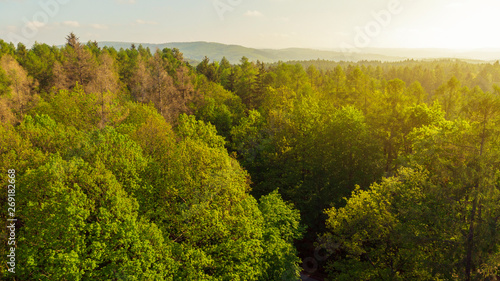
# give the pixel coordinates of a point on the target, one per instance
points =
(327, 24)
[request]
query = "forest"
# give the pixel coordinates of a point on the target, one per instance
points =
(133, 164)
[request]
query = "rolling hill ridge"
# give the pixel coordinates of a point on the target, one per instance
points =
(196, 51)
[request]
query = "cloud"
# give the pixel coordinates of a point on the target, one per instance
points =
(71, 23)
(99, 26)
(126, 1)
(12, 28)
(35, 24)
(139, 21)
(253, 14)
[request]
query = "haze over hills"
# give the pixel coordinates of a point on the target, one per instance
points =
(215, 51)
(196, 51)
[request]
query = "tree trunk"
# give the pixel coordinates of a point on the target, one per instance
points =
(470, 242)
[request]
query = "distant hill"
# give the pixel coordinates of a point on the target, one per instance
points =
(196, 51)
(215, 51)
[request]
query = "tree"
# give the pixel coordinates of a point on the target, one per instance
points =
(337, 154)
(417, 92)
(140, 80)
(106, 85)
(202, 204)
(259, 85)
(7, 117)
(161, 88)
(6, 48)
(21, 86)
(464, 161)
(153, 83)
(82, 110)
(356, 85)
(245, 82)
(388, 120)
(186, 92)
(338, 81)
(106, 79)
(220, 107)
(198, 196)
(483, 110)
(281, 228)
(399, 229)
(313, 74)
(450, 97)
(312, 151)
(210, 70)
(39, 62)
(224, 71)
(79, 65)
(95, 221)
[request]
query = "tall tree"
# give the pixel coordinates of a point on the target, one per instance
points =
(79, 65)
(21, 86)
(161, 90)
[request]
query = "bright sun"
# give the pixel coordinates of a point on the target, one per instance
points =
(453, 25)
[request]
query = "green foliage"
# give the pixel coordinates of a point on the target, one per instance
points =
(390, 232)
(209, 70)
(247, 138)
(72, 108)
(220, 107)
(314, 153)
(281, 228)
(4, 83)
(119, 182)
(190, 128)
(82, 110)
(6, 48)
(119, 154)
(50, 137)
(79, 224)
(204, 204)
(39, 62)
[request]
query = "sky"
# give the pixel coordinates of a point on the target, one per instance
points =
(320, 24)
